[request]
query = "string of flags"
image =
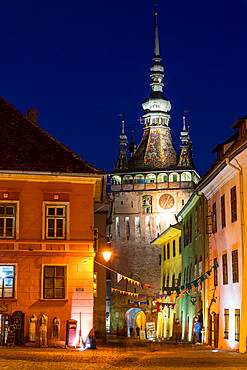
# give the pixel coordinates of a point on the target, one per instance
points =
(187, 287)
(120, 277)
(179, 290)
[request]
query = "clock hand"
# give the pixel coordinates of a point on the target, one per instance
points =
(167, 200)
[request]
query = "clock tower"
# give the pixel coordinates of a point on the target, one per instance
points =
(148, 190)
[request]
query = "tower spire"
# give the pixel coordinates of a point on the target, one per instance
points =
(185, 159)
(156, 43)
(122, 162)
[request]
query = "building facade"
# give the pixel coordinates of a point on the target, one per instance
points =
(224, 186)
(148, 185)
(47, 196)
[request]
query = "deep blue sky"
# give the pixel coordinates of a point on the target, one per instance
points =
(81, 63)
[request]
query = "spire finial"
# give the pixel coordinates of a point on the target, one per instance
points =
(156, 44)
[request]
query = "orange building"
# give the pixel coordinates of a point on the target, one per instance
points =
(47, 196)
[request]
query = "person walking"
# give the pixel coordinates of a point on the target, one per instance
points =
(177, 331)
(197, 330)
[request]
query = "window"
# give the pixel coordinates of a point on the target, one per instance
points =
(214, 219)
(190, 230)
(147, 204)
(167, 281)
(234, 204)
(137, 227)
(164, 250)
(173, 280)
(235, 278)
(174, 248)
(225, 272)
(168, 251)
(55, 221)
(8, 220)
(215, 273)
(117, 228)
(127, 227)
(226, 322)
(132, 204)
(237, 324)
(223, 212)
(174, 178)
(54, 282)
(180, 249)
(7, 281)
(179, 279)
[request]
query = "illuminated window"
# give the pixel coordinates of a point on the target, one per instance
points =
(174, 248)
(214, 219)
(168, 251)
(54, 282)
(147, 204)
(55, 221)
(223, 212)
(215, 273)
(235, 278)
(224, 269)
(95, 284)
(127, 227)
(117, 228)
(233, 204)
(226, 323)
(137, 227)
(237, 324)
(7, 281)
(7, 220)
(180, 249)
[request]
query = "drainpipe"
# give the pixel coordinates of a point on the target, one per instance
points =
(243, 322)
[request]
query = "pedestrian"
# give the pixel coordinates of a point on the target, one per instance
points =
(197, 330)
(177, 331)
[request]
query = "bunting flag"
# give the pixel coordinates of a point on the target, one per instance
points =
(120, 277)
(124, 292)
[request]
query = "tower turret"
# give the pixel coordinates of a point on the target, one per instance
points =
(132, 146)
(122, 161)
(185, 159)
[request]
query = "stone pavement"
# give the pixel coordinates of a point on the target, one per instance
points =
(154, 356)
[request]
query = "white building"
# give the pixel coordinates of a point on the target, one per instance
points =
(224, 186)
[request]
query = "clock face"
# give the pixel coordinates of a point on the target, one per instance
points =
(166, 201)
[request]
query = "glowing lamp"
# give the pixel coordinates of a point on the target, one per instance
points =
(107, 255)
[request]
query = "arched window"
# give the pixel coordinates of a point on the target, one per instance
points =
(116, 180)
(186, 176)
(174, 177)
(174, 248)
(151, 178)
(128, 179)
(162, 177)
(139, 179)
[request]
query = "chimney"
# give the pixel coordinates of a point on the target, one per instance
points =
(32, 114)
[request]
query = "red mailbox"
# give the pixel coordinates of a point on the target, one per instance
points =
(71, 333)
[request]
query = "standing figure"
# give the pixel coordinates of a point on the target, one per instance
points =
(197, 330)
(177, 331)
(43, 330)
(32, 328)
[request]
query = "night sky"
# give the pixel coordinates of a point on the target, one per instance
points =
(81, 63)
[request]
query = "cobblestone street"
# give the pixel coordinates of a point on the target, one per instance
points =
(151, 356)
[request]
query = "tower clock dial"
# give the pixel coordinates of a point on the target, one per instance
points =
(166, 201)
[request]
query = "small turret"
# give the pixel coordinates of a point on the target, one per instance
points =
(122, 161)
(185, 159)
(132, 146)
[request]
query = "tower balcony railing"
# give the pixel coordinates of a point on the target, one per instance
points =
(152, 186)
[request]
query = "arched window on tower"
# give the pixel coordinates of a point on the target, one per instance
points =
(186, 176)
(151, 178)
(139, 179)
(116, 180)
(128, 179)
(174, 177)
(162, 177)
